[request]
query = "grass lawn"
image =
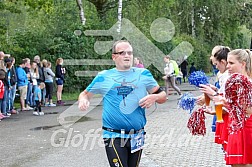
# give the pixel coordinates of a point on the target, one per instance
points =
(65, 97)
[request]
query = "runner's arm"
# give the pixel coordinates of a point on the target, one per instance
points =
(84, 100)
(158, 95)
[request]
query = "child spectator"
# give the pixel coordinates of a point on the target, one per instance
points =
(179, 77)
(38, 98)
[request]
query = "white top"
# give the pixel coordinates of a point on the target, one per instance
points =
(34, 77)
(169, 69)
(222, 77)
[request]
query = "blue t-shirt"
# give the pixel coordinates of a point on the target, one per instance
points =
(37, 94)
(121, 92)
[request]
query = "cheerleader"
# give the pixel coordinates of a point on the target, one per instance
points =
(238, 97)
(219, 59)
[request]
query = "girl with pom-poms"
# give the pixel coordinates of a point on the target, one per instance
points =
(220, 60)
(238, 97)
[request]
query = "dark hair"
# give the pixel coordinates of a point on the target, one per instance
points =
(23, 61)
(222, 54)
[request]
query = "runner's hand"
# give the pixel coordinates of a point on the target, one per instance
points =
(83, 104)
(148, 101)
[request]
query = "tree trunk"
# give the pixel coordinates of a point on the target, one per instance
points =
(82, 16)
(193, 21)
(119, 16)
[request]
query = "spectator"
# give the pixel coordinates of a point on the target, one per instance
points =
(4, 106)
(192, 68)
(43, 65)
(28, 100)
(2, 56)
(138, 62)
(22, 82)
(2, 76)
(41, 76)
(8, 87)
(179, 77)
(13, 82)
(37, 98)
(60, 79)
(49, 74)
(34, 76)
(183, 67)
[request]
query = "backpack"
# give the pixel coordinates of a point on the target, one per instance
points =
(175, 66)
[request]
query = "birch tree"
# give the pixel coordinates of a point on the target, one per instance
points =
(119, 16)
(82, 15)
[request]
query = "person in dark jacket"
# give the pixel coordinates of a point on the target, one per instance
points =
(13, 83)
(7, 86)
(192, 68)
(41, 76)
(40, 70)
(60, 79)
(183, 67)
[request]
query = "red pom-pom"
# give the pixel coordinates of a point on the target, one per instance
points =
(239, 95)
(196, 122)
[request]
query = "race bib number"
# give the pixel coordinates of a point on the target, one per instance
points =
(137, 141)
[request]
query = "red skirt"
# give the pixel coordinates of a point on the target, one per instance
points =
(239, 148)
(224, 132)
(218, 130)
(221, 132)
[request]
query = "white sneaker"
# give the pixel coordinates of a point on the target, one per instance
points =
(41, 113)
(36, 113)
(28, 108)
(52, 105)
(47, 104)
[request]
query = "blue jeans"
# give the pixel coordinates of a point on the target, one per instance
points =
(214, 123)
(1, 100)
(12, 96)
(29, 93)
(43, 95)
(33, 97)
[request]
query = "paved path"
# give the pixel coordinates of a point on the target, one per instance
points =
(30, 141)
